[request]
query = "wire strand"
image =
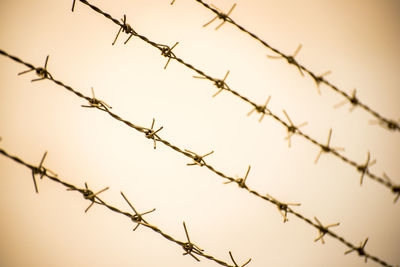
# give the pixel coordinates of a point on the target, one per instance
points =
(199, 160)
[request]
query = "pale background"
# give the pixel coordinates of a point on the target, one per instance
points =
(357, 40)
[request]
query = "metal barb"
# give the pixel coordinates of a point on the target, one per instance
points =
(240, 181)
(41, 72)
(96, 103)
(323, 230)
(353, 101)
(261, 109)
(151, 134)
(360, 250)
(166, 51)
(290, 59)
(319, 79)
(364, 168)
(189, 247)
(124, 28)
(220, 15)
(234, 262)
(137, 217)
(395, 189)
(220, 84)
(88, 194)
(197, 159)
(326, 148)
(73, 6)
(390, 125)
(282, 207)
(41, 170)
(291, 129)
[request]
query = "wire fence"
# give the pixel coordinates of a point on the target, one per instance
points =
(387, 123)
(197, 160)
(221, 85)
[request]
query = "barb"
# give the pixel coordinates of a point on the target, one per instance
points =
(151, 134)
(96, 103)
(323, 230)
(125, 28)
(383, 124)
(220, 84)
(38, 170)
(236, 265)
(389, 123)
(283, 208)
(41, 170)
(360, 250)
(189, 247)
(164, 48)
(198, 160)
(240, 181)
(290, 59)
(364, 168)
(291, 128)
(326, 148)
(319, 79)
(220, 15)
(396, 189)
(41, 72)
(353, 101)
(261, 109)
(137, 218)
(166, 51)
(88, 194)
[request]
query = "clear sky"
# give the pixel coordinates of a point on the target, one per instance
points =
(356, 40)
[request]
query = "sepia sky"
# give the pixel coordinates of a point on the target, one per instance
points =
(356, 40)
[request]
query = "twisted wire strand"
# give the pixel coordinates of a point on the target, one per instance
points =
(221, 84)
(198, 160)
(389, 124)
(101, 202)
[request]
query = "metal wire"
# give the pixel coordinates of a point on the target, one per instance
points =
(136, 218)
(389, 124)
(223, 86)
(198, 160)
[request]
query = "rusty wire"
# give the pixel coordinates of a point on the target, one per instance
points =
(283, 208)
(387, 123)
(223, 86)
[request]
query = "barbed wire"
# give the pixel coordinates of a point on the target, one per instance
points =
(389, 124)
(221, 85)
(198, 160)
(189, 247)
